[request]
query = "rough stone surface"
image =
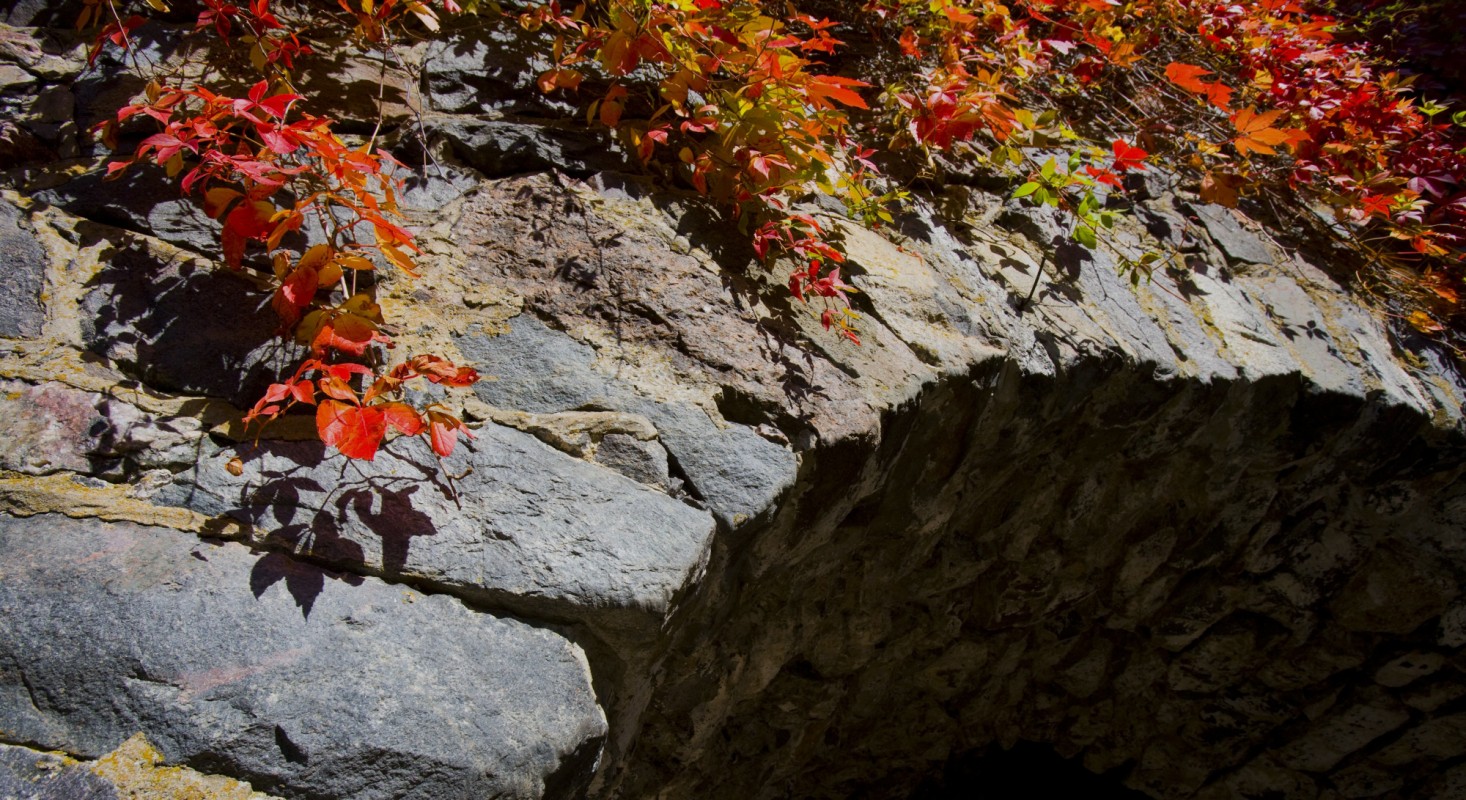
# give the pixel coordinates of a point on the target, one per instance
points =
(1234, 240)
(733, 469)
(489, 71)
(641, 461)
(305, 682)
(134, 771)
(29, 775)
(52, 427)
(24, 264)
(142, 201)
(497, 147)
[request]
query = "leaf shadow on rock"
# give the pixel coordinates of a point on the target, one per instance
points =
(304, 583)
(312, 510)
(178, 325)
(354, 90)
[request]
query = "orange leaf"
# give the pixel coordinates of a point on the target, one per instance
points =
(380, 387)
(441, 370)
(337, 389)
(347, 333)
(1220, 188)
(826, 90)
(398, 258)
(357, 432)
(403, 417)
(1257, 133)
(1189, 77)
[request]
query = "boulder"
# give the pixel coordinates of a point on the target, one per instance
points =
(305, 682)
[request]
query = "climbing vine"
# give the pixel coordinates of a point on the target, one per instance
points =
(759, 105)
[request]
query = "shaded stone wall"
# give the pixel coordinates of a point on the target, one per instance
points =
(1202, 532)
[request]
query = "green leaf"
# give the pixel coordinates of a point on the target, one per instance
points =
(1026, 190)
(1085, 235)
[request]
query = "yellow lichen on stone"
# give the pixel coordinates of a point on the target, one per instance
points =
(29, 495)
(136, 769)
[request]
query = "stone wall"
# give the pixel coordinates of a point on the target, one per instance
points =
(1203, 531)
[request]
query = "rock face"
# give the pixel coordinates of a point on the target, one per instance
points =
(1202, 531)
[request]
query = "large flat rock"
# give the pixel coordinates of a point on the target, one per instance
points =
(304, 682)
(520, 523)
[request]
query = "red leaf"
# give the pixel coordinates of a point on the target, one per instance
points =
(443, 430)
(1103, 176)
(357, 432)
(1128, 156)
(300, 288)
(441, 370)
(304, 392)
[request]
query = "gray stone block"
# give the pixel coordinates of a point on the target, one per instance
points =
(737, 472)
(306, 683)
(1236, 242)
(504, 147)
(23, 265)
(644, 462)
(487, 71)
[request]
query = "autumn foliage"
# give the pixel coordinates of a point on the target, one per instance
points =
(759, 105)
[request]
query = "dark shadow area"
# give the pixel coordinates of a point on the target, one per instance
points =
(180, 326)
(1028, 771)
(501, 148)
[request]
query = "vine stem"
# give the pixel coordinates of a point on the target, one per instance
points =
(1032, 290)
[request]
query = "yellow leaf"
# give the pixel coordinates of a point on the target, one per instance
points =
(1423, 322)
(315, 257)
(355, 262)
(363, 306)
(329, 274)
(424, 15)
